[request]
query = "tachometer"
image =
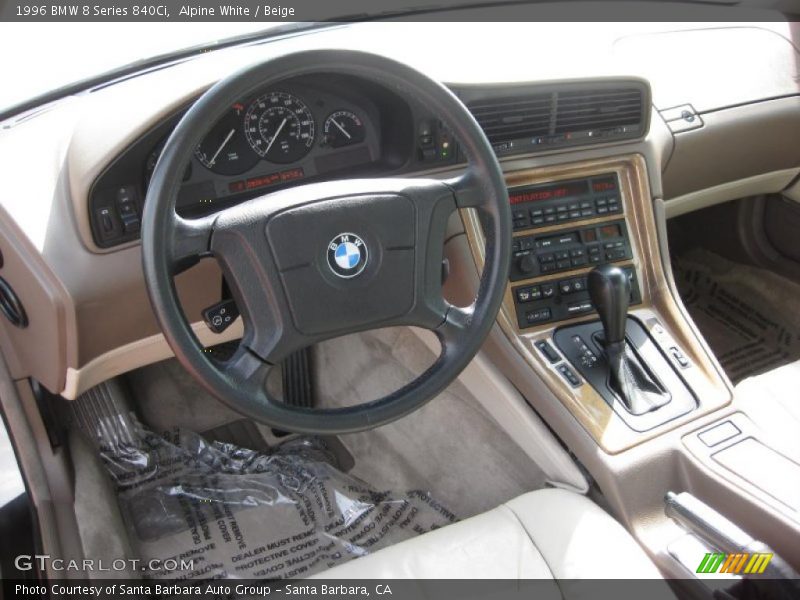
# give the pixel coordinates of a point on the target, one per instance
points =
(225, 150)
(343, 128)
(279, 127)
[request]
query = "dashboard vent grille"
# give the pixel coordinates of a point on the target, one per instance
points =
(582, 110)
(570, 114)
(506, 118)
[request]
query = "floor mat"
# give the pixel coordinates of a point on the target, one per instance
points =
(748, 315)
(215, 510)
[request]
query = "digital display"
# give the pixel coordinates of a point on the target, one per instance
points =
(610, 231)
(607, 184)
(265, 180)
(549, 191)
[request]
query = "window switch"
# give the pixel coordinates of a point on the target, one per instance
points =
(547, 350)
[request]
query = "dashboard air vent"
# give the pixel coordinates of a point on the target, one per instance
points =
(532, 118)
(506, 118)
(597, 110)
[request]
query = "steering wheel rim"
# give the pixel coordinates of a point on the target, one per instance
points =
(168, 239)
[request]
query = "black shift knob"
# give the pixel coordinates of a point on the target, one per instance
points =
(610, 291)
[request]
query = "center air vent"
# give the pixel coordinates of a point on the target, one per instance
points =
(597, 110)
(526, 119)
(503, 119)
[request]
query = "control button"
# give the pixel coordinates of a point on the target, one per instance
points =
(561, 254)
(593, 249)
(617, 254)
(520, 223)
(526, 243)
(563, 216)
(577, 308)
(515, 245)
(576, 252)
(131, 223)
(586, 204)
(561, 209)
(546, 258)
(579, 262)
(579, 284)
(221, 315)
(519, 214)
(526, 264)
(106, 223)
(575, 214)
(550, 210)
(537, 220)
(595, 259)
(524, 295)
(536, 292)
(601, 210)
(537, 212)
(587, 212)
(546, 349)
(547, 268)
(565, 287)
(679, 357)
(569, 375)
(548, 290)
(562, 265)
(538, 315)
(549, 218)
(601, 202)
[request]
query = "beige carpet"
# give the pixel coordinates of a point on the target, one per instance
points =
(451, 447)
(748, 315)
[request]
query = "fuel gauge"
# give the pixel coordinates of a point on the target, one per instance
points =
(343, 128)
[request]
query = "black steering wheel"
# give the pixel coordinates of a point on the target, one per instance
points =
(321, 260)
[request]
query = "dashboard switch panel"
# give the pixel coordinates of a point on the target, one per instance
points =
(561, 299)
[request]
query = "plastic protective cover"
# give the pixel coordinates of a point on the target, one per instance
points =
(221, 511)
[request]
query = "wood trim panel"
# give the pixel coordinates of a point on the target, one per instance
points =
(659, 311)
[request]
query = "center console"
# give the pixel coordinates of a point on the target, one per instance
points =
(570, 222)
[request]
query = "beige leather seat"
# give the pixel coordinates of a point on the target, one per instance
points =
(549, 533)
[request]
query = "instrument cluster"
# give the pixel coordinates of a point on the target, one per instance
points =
(312, 128)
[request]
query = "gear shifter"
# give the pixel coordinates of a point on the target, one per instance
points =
(629, 377)
(610, 291)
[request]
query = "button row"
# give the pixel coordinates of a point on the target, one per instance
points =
(564, 213)
(562, 259)
(535, 292)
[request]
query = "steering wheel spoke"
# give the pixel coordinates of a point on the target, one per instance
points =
(191, 240)
(456, 322)
(248, 372)
(468, 191)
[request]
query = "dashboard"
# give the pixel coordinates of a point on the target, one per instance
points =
(307, 129)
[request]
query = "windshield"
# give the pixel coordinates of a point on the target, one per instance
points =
(58, 54)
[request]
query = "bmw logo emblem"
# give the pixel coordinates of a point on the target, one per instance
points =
(347, 255)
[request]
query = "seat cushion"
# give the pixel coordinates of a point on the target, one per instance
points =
(549, 533)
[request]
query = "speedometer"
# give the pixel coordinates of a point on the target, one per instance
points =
(279, 127)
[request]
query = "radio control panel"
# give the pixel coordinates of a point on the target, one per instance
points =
(542, 254)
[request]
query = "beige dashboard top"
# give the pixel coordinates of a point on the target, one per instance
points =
(50, 159)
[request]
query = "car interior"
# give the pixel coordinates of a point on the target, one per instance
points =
(336, 304)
